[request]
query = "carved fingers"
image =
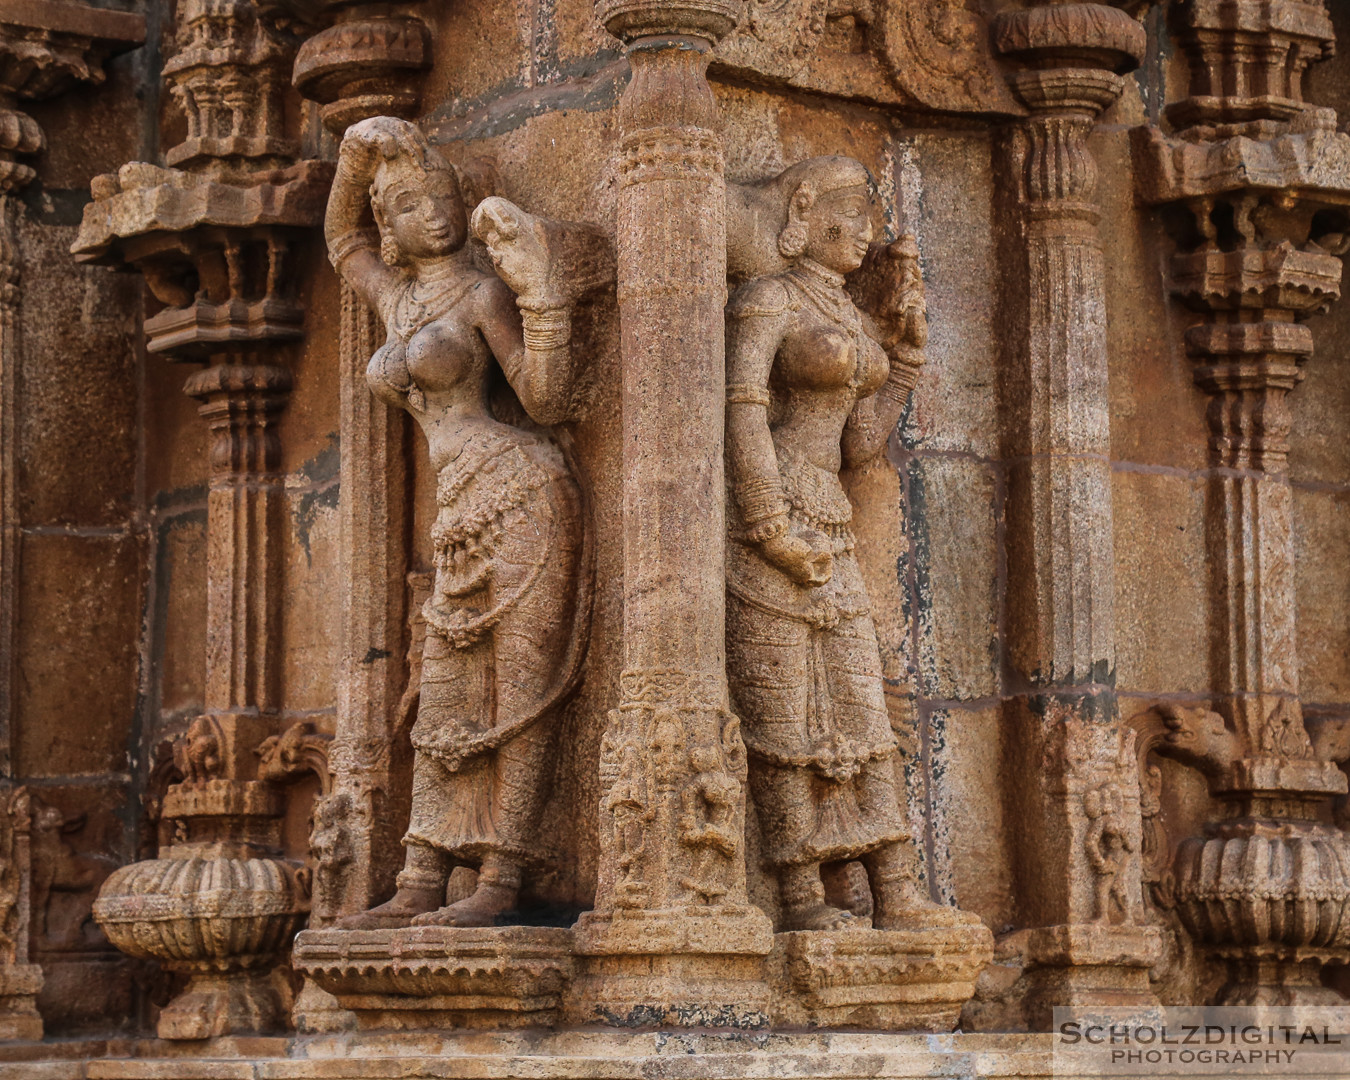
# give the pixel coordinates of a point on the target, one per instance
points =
(370, 141)
(807, 563)
(518, 244)
(889, 287)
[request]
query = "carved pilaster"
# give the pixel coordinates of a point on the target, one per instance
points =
(673, 938)
(359, 61)
(1069, 60)
(214, 242)
(1257, 195)
(371, 508)
(245, 510)
(20, 981)
(45, 49)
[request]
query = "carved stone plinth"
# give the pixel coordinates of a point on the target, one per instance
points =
(440, 976)
(702, 967)
(664, 1055)
(1089, 965)
(888, 980)
(19, 987)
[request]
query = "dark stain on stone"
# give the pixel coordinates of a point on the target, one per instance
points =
(321, 475)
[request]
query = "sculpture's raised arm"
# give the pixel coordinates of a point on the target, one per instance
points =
(349, 227)
(534, 347)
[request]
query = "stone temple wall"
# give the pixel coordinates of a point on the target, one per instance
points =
(1056, 552)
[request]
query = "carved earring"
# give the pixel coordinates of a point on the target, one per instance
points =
(389, 251)
(792, 240)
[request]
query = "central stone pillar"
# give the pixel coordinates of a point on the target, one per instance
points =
(672, 939)
(1084, 943)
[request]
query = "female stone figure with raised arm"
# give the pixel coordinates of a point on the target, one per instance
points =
(813, 386)
(507, 617)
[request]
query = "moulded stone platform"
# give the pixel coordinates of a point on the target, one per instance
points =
(440, 976)
(544, 1055)
(892, 980)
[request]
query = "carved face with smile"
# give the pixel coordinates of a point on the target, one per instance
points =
(839, 229)
(422, 211)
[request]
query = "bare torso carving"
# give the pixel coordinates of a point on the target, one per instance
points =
(810, 391)
(506, 618)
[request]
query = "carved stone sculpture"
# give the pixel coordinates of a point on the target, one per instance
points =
(810, 390)
(822, 356)
(507, 618)
(20, 980)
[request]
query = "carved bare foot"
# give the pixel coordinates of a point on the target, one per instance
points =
(400, 911)
(904, 906)
(822, 917)
(481, 909)
(518, 244)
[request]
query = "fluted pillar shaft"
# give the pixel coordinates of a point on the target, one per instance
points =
(245, 511)
(10, 527)
(1062, 711)
(667, 904)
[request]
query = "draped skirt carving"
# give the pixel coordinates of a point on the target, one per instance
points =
(505, 629)
(805, 675)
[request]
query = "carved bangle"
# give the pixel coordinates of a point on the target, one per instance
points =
(547, 328)
(901, 382)
(770, 529)
(747, 394)
(344, 245)
(760, 499)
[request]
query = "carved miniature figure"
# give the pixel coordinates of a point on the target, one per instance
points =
(1109, 849)
(59, 869)
(627, 805)
(506, 618)
(814, 386)
(707, 814)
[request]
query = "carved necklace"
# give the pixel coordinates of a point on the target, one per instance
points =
(423, 302)
(825, 289)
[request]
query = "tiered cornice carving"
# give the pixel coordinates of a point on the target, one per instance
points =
(1254, 184)
(228, 78)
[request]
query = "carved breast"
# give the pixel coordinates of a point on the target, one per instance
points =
(446, 354)
(825, 357)
(819, 357)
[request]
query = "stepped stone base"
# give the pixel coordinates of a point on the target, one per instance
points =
(432, 978)
(887, 980)
(439, 976)
(19, 988)
(543, 1055)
